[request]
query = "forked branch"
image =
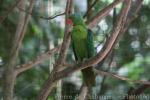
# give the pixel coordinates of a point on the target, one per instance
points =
(93, 61)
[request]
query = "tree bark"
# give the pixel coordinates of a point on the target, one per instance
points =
(9, 75)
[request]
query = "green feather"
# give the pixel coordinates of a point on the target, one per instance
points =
(83, 47)
(77, 20)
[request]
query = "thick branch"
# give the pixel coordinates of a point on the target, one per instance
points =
(62, 57)
(66, 39)
(144, 84)
(100, 14)
(135, 8)
(9, 75)
(64, 46)
(96, 18)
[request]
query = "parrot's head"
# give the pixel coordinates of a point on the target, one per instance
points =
(75, 19)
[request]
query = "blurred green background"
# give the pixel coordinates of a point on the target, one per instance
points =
(131, 56)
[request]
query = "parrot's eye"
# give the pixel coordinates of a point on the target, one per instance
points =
(69, 22)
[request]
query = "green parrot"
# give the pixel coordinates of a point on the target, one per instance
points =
(82, 44)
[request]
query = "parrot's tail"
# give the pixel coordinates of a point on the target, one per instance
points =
(89, 76)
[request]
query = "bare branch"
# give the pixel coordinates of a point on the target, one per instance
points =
(62, 57)
(103, 13)
(42, 17)
(9, 74)
(2, 18)
(101, 55)
(109, 74)
(66, 40)
(52, 17)
(22, 26)
(38, 60)
(103, 73)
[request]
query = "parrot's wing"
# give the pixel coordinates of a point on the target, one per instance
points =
(73, 47)
(90, 44)
(82, 31)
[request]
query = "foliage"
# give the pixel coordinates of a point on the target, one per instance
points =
(132, 54)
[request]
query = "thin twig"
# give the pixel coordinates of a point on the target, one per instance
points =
(9, 73)
(108, 74)
(90, 8)
(42, 17)
(52, 17)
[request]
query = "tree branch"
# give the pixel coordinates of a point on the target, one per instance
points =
(135, 8)
(9, 74)
(99, 57)
(103, 73)
(38, 60)
(42, 17)
(109, 74)
(100, 16)
(67, 36)
(21, 68)
(103, 13)
(48, 85)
